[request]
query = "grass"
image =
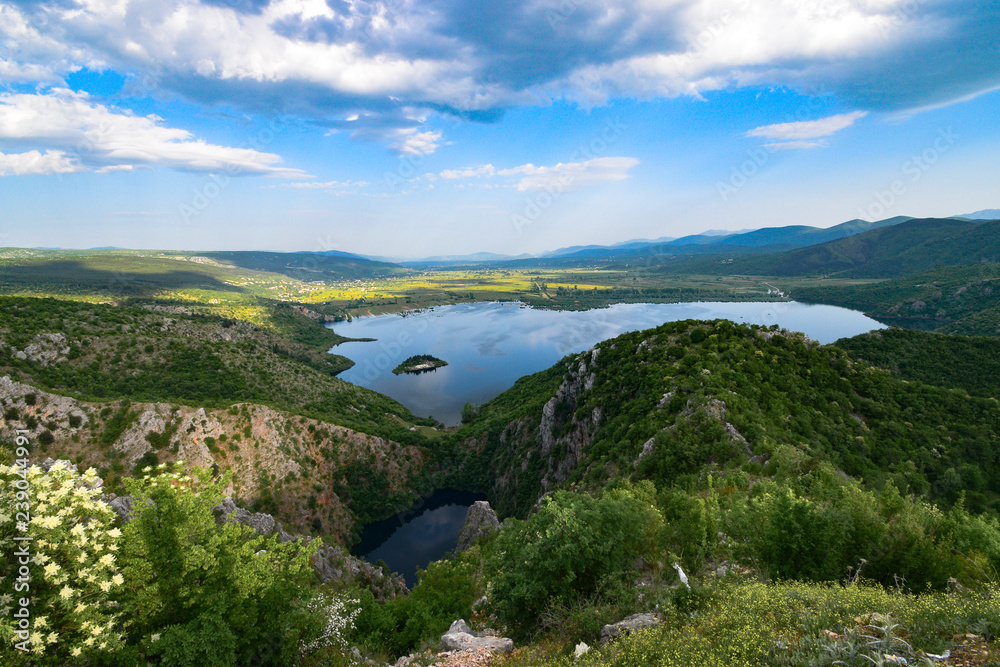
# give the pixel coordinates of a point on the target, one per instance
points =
(748, 623)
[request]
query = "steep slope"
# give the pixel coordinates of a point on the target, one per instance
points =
(672, 403)
(120, 385)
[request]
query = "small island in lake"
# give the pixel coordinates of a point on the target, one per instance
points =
(419, 363)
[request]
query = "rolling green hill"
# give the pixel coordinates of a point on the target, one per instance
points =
(971, 364)
(889, 252)
(309, 266)
(162, 353)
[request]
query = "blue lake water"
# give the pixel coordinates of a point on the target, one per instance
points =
(420, 535)
(488, 346)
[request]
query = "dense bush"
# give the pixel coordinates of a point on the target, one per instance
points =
(569, 549)
(204, 593)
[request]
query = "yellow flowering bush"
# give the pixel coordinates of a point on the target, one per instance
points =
(67, 568)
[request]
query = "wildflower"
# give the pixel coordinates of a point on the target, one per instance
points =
(76, 652)
(155, 637)
(66, 592)
(117, 580)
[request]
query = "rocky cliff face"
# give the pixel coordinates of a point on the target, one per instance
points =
(294, 462)
(536, 453)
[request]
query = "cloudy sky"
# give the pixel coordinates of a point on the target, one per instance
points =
(415, 127)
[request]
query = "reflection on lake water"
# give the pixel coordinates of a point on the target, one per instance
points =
(421, 535)
(488, 346)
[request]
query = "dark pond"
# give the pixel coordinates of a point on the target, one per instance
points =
(488, 346)
(420, 535)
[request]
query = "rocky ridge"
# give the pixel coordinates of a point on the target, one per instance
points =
(294, 460)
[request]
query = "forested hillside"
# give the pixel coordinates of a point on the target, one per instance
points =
(971, 364)
(953, 299)
(672, 403)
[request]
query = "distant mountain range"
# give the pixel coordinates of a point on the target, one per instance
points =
(985, 214)
(769, 239)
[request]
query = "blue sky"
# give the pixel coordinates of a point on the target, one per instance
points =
(411, 128)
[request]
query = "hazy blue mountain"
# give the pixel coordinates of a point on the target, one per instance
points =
(985, 214)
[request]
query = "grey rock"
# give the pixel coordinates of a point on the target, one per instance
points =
(461, 638)
(122, 505)
(480, 521)
(460, 626)
(629, 624)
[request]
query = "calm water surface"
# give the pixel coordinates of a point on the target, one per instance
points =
(488, 346)
(419, 536)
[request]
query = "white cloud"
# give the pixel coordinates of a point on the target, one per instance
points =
(561, 177)
(474, 172)
(34, 162)
(348, 59)
(328, 185)
(799, 131)
(108, 140)
(794, 145)
(409, 141)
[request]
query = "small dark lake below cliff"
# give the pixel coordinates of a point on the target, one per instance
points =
(420, 535)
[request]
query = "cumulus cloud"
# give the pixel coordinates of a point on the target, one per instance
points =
(71, 124)
(472, 59)
(409, 141)
(35, 162)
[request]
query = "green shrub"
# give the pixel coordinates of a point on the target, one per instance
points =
(200, 593)
(570, 548)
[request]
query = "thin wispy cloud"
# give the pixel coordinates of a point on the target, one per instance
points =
(327, 185)
(807, 129)
(805, 133)
(571, 176)
(561, 177)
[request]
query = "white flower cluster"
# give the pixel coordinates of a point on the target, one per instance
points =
(338, 621)
(73, 545)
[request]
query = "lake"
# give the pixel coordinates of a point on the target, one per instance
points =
(488, 346)
(420, 535)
